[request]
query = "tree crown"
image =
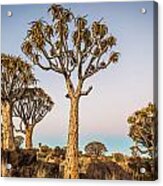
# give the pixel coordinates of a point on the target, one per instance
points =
(95, 148)
(143, 130)
(16, 76)
(69, 44)
(33, 106)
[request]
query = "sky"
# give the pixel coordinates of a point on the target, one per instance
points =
(117, 91)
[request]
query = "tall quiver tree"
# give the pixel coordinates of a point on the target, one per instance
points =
(16, 76)
(31, 109)
(71, 48)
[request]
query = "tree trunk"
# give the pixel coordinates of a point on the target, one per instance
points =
(4, 161)
(71, 164)
(28, 137)
(7, 127)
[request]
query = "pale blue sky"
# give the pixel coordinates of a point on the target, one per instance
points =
(118, 91)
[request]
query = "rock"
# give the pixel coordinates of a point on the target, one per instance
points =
(98, 171)
(47, 170)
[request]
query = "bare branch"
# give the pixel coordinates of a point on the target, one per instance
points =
(70, 52)
(52, 65)
(85, 93)
(33, 106)
(94, 71)
(20, 128)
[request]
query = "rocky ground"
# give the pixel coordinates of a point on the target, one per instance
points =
(44, 163)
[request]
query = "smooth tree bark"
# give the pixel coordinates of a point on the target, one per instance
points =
(76, 50)
(16, 76)
(31, 109)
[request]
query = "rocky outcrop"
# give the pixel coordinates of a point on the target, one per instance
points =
(25, 164)
(48, 163)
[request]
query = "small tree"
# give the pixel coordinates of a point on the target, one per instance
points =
(19, 140)
(32, 108)
(119, 157)
(16, 76)
(95, 148)
(143, 131)
(75, 50)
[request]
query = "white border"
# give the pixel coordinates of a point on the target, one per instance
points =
(47, 182)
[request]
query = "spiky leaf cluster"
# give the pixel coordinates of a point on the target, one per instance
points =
(143, 130)
(16, 76)
(70, 44)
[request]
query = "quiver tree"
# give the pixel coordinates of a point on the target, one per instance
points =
(143, 130)
(95, 148)
(31, 109)
(18, 141)
(118, 157)
(71, 47)
(16, 76)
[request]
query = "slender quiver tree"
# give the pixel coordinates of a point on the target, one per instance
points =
(31, 109)
(16, 76)
(72, 48)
